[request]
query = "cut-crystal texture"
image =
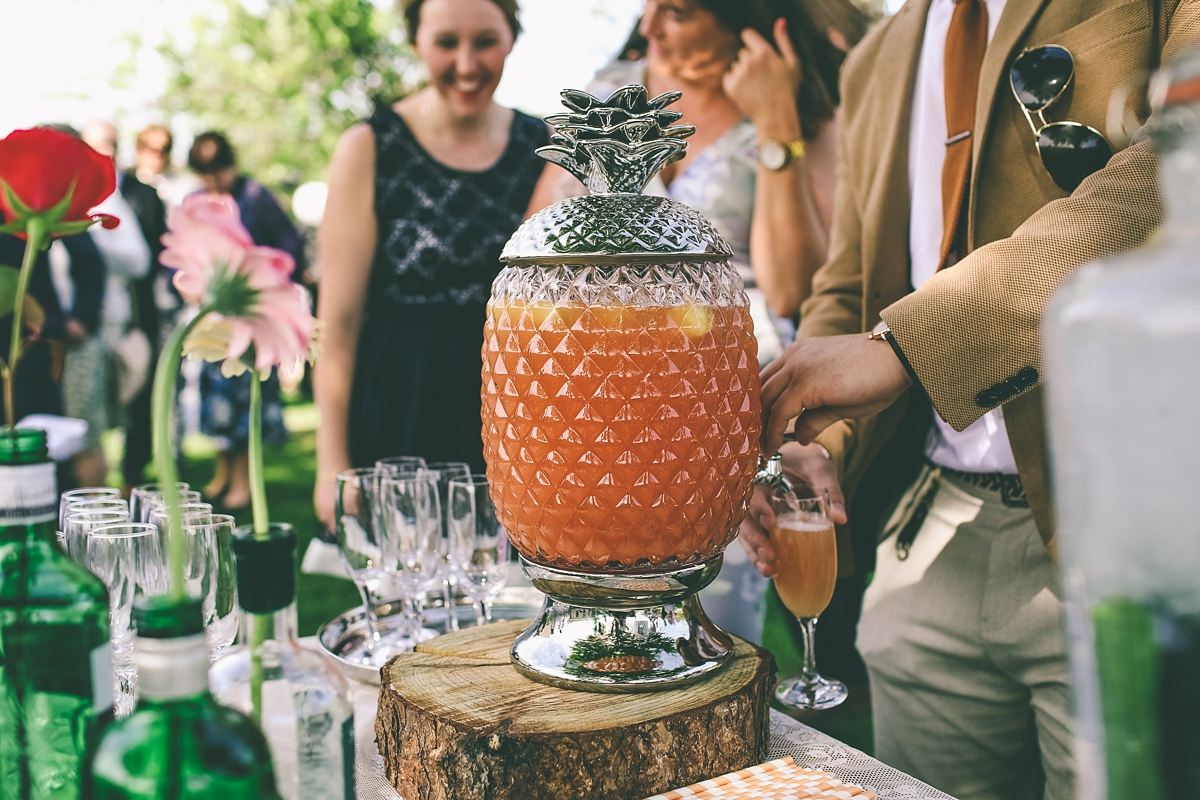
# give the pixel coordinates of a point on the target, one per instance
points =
(621, 414)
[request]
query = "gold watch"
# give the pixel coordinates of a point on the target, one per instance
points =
(776, 155)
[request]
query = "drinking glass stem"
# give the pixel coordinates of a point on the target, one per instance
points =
(808, 669)
(482, 614)
(451, 611)
(487, 610)
(412, 621)
(369, 617)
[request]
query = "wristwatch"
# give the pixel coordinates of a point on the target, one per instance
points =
(881, 332)
(776, 155)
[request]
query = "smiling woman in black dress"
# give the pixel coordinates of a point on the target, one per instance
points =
(422, 198)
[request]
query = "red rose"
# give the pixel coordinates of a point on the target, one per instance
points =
(37, 171)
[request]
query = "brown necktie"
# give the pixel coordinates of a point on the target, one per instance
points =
(966, 42)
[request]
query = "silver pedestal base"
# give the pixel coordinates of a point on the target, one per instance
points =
(621, 633)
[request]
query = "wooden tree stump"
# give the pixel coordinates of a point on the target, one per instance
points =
(457, 722)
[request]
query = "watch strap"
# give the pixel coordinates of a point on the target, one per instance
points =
(882, 331)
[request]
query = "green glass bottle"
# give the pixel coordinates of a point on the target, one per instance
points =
(178, 744)
(56, 684)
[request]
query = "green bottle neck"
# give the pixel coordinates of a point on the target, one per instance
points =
(28, 502)
(172, 671)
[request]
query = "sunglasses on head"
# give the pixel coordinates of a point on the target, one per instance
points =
(1070, 151)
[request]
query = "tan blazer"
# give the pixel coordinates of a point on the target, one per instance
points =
(971, 332)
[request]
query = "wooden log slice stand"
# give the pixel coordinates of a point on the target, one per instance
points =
(457, 722)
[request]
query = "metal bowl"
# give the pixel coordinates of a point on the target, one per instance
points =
(343, 636)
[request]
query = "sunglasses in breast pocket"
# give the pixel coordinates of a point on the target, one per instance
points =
(1070, 151)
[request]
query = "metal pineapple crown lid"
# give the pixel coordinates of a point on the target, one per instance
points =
(615, 147)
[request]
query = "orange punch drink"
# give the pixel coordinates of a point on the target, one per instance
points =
(620, 436)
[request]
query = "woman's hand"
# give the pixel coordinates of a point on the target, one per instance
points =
(762, 82)
(807, 464)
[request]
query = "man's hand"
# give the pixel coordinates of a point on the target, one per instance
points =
(807, 464)
(820, 381)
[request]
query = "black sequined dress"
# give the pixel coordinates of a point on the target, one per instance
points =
(417, 375)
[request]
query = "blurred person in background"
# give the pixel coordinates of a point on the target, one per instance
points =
(36, 388)
(137, 352)
(153, 167)
(759, 78)
(127, 258)
(225, 402)
(422, 198)
(88, 275)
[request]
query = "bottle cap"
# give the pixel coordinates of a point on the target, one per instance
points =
(266, 569)
(163, 617)
(23, 446)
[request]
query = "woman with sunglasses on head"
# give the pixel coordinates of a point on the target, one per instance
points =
(760, 82)
(422, 197)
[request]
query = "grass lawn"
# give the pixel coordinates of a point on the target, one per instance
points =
(290, 471)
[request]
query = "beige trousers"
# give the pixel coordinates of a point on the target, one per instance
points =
(965, 644)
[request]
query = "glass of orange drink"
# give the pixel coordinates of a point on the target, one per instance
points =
(805, 575)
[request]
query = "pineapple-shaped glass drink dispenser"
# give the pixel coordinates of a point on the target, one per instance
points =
(621, 413)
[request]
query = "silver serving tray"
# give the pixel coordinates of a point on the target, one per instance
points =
(346, 632)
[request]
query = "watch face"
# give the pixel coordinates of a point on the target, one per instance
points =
(772, 155)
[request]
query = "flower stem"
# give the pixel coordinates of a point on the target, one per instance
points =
(35, 230)
(163, 400)
(258, 489)
(259, 623)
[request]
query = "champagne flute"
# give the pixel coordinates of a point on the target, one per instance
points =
(362, 541)
(90, 493)
(152, 501)
(78, 506)
(478, 543)
(805, 575)
(446, 471)
(211, 575)
(140, 494)
(400, 464)
(79, 523)
(412, 514)
(128, 558)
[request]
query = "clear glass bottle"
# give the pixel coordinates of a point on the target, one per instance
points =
(179, 744)
(56, 684)
(305, 708)
(1121, 339)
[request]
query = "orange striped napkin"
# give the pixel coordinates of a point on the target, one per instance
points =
(775, 780)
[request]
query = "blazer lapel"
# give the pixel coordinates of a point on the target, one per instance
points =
(1018, 15)
(885, 261)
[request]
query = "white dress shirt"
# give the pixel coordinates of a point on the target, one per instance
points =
(982, 447)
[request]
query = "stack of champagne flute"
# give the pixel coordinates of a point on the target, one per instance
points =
(420, 533)
(124, 543)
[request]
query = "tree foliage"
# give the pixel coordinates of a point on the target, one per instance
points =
(284, 78)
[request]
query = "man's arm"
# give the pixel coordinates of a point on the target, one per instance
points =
(971, 333)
